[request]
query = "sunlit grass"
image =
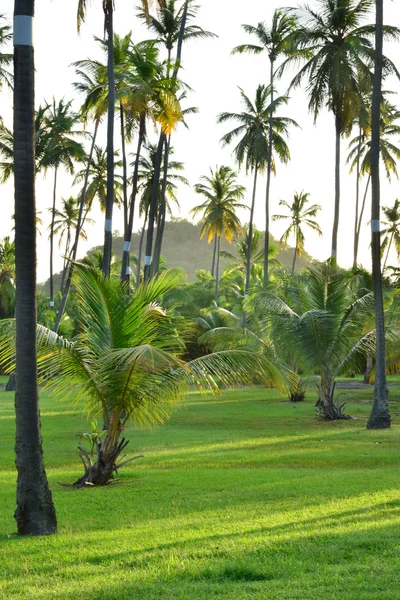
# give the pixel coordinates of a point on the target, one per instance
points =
(238, 497)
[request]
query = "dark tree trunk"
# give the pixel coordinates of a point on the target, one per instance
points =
(269, 166)
(356, 217)
(153, 208)
(53, 216)
(337, 189)
(124, 165)
(79, 226)
(162, 211)
(250, 237)
(214, 254)
(139, 262)
(379, 418)
(109, 17)
(217, 269)
(35, 513)
(357, 240)
(125, 269)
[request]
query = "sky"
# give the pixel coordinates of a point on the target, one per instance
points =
(215, 77)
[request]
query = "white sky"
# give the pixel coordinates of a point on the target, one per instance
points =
(214, 76)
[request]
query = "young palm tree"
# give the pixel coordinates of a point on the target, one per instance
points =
(276, 41)
(35, 513)
(223, 195)
(299, 216)
(126, 363)
(252, 148)
(392, 231)
(342, 49)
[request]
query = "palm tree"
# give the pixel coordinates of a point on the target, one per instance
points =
(223, 195)
(5, 59)
(35, 513)
(276, 41)
(299, 216)
(342, 50)
(62, 150)
(392, 231)
(252, 148)
(126, 363)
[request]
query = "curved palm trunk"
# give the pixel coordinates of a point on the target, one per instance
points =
(66, 258)
(356, 237)
(214, 254)
(125, 269)
(269, 165)
(153, 208)
(379, 418)
(79, 226)
(217, 270)
(35, 513)
(337, 189)
(53, 215)
(163, 210)
(110, 140)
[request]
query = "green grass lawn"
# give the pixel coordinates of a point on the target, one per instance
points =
(244, 496)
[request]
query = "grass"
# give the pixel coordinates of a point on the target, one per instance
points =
(239, 497)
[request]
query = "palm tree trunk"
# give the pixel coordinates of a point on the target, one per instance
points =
(388, 250)
(35, 513)
(125, 269)
(379, 418)
(124, 166)
(109, 18)
(217, 270)
(248, 258)
(153, 208)
(139, 262)
(269, 165)
(355, 247)
(357, 239)
(337, 190)
(163, 210)
(214, 254)
(53, 215)
(295, 250)
(79, 226)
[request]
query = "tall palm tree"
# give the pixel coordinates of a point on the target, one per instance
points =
(299, 215)
(35, 513)
(223, 195)
(62, 150)
(342, 51)
(392, 231)
(252, 148)
(276, 41)
(108, 9)
(379, 418)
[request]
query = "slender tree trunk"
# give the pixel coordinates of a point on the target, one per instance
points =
(35, 513)
(269, 167)
(368, 368)
(379, 418)
(65, 264)
(109, 16)
(139, 262)
(337, 190)
(217, 270)
(79, 226)
(355, 253)
(214, 254)
(125, 268)
(361, 215)
(295, 251)
(163, 209)
(124, 165)
(250, 238)
(388, 250)
(153, 208)
(53, 215)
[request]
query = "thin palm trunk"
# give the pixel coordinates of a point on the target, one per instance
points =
(337, 189)
(295, 250)
(110, 141)
(269, 166)
(65, 264)
(362, 214)
(139, 262)
(217, 269)
(124, 166)
(125, 269)
(53, 214)
(153, 208)
(388, 249)
(248, 257)
(214, 254)
(79, 226)
(35, 513)
(379, 418)
(162, 211)
(355, 248)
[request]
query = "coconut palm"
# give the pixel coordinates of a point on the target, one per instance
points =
(126, 363)
(252, 148)
(276, 42)
(223, 195)
(299, 216)
(342, 51)
(35, 513)
(392, 230)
